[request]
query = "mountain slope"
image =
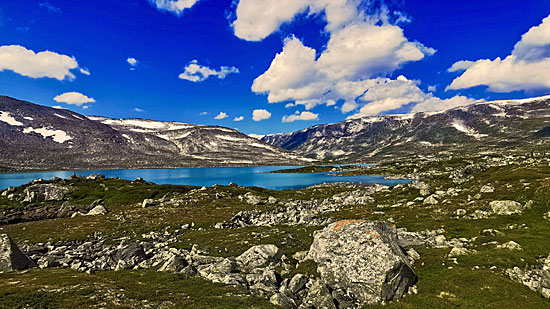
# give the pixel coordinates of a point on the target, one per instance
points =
(35, 137)
(486, 126)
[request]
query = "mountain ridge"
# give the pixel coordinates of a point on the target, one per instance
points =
(486, 125)
(36, 137)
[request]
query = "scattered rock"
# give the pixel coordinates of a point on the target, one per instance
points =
(487, 189)
(511, 245)
(506, 207)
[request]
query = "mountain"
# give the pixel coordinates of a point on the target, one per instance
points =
(35, 137)
(482, 127)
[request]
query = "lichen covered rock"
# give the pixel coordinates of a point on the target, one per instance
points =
(361, 262)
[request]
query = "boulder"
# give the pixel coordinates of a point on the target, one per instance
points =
(431, 200)
(148, 202)
(506, 207)
(44, 192)
(128, 256)
(11, 258)
(99, 210)
(361, 262)
(260, 256)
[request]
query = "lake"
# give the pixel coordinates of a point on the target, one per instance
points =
(244, 176)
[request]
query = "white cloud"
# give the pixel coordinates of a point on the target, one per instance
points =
(353, 55)
(195, 72)
(240, 118)
(73, 98)
(525, 69)
(36, 65)
(203, 114)
(305, 115)
(85, 71)
(174, 6)
(385, 94)
(133, 62)
(139, 110)
(258, 19)
(221, 115)
(432, 88)
(260, 114)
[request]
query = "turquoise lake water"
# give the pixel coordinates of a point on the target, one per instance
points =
(244, 176)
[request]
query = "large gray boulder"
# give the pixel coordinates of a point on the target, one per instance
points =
(506, 207)
(361, 263)
(44, 192)
(11, 258)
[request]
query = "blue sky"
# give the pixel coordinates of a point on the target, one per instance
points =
(308, 62)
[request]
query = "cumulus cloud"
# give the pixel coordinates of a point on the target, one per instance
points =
(260, 114)
(173, 6)
(73, 98)
(138, 110)
(203, 114)
(240, 118)
(526, 68)
(36, 65)
(353, 55)
(258, 19)
(305, 115)
(195, 72)
(221, 115)
(385, 94)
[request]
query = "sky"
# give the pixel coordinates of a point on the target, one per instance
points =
(271, 66)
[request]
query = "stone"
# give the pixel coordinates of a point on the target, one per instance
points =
(129, 256)
(506, 207)
(11, 258)
(96, 177)
(362, 259)
(174, 264)
(38, 193)
(487, 189)
(460, 212)
(264, 279)
(458, 251)
(296, 283)
(272, 200)
(318, 296)
(99, 210)
(282, 300)
(510, 245)
(147, 203)
(260, 256)
(430, 200)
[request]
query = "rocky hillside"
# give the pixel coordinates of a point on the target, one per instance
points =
(35, 137)
(487, 126)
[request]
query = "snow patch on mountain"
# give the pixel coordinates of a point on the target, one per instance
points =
(468, 131)
(58, 136)
(230, 138)
(7, 118)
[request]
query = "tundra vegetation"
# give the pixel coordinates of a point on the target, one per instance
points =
(470, 231)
